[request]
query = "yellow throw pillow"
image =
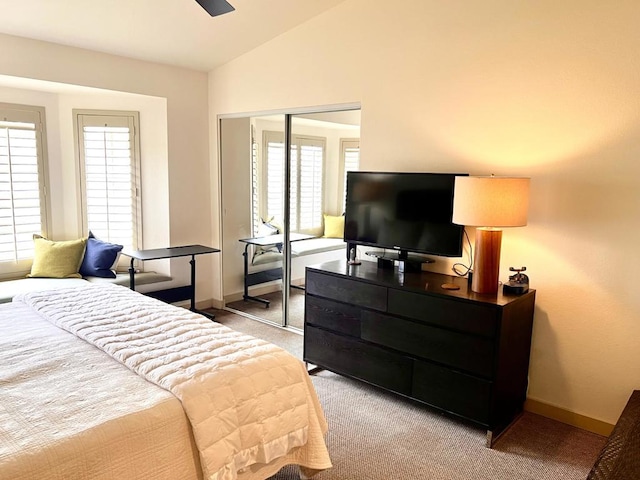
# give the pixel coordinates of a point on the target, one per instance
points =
(57, 259)
(333, 226)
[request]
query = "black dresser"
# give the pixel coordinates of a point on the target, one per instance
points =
(461, 352)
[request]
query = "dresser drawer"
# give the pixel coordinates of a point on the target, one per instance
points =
(465, 317)
(330, 315)
(470, 353)
(344, 290)
(452, 391)
(356, 359)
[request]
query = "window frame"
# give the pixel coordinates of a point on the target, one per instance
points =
(13, 112)
(132, 118)
(271, 136)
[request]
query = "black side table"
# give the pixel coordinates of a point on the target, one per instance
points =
(173, 252)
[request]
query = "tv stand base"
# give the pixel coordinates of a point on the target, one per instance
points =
(407, 262)
(386, 263)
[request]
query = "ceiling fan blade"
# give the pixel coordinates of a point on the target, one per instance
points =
(216, 7)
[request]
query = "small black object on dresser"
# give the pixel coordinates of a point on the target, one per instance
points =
(462, 352)
(518, 283)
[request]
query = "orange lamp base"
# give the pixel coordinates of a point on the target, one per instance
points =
(486, 268)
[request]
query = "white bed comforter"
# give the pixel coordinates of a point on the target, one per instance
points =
(248, 401)
(69, 412)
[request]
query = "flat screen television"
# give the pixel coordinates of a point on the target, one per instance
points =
(403, 213)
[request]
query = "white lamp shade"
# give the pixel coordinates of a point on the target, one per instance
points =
(491, 201)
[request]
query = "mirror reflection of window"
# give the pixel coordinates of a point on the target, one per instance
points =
(306, 191)
(349, 162)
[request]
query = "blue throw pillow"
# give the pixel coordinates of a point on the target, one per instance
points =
(99, 258)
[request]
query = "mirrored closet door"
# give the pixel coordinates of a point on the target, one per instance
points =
(252, 217)
(282, 171)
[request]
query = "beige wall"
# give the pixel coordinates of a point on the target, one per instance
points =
(540, 88)
(174, 135)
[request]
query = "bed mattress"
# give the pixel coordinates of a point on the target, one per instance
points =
(72, 407)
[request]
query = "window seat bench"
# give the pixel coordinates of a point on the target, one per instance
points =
(267, 266)
(302, 248)
(11, 288)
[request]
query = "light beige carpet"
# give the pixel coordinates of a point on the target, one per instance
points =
(376, 435)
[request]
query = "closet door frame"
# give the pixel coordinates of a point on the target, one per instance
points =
(286, 260)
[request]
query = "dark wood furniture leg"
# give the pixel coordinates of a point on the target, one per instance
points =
(314, 369)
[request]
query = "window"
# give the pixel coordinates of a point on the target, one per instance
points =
(255, 184)
(110, 176)
(273, 191)
(308, 158)
(349, 162)
(306, 190)
(22, 188)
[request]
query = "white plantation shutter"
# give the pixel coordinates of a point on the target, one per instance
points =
(110, 178)
(22, 199)
(274, 190)
(255, 186)
(310, 180)
(293, 189)
(306, 189)
(350, 161)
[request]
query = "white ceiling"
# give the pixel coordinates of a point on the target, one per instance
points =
(174, 32)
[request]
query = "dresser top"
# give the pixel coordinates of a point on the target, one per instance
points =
(422, 282)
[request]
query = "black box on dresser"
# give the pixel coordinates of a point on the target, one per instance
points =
(458, 351)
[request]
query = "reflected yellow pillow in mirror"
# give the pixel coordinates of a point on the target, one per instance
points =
(57, 259)
(333, 226)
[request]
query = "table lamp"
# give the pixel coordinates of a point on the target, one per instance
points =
(489, 203)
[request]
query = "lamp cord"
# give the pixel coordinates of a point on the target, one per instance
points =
(461, 269)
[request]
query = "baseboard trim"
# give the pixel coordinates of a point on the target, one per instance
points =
(262, 289)
(217, 304)
(210, 303)
(255, 291)
(570, 418)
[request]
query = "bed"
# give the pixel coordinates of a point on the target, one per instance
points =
(102, 382)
